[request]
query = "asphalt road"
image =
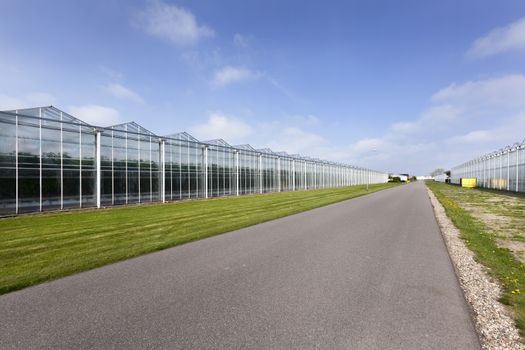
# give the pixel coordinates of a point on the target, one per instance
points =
(368, 273)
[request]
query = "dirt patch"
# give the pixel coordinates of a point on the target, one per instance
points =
(491, 218)
(503, 216)
(496, 199)
(516, 247)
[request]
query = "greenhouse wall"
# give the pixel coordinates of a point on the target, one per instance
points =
(50, 160)
(500, 170)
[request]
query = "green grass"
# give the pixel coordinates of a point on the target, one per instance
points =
(39, 248)
(501, 262)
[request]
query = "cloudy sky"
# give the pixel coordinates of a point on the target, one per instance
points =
(401, 86)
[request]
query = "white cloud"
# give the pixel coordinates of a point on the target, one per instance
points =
(229, 74)
(388, 154)
(36, 99)
(110, 73)
(278, 135)
(505, 91)
(476, 136)
(463, 121)
(433, 119)
(95, 114)
(510, 130)
(300, 119)
(369, 145)
(437, 115)
(285, 135)
(312, 119)
(242, 41)
(405, 127)
(461, 105)
(173, 23)
(309, 119)
(283, 89)
(296, 140)
(231, 129)
(122, 92)
(500, 40)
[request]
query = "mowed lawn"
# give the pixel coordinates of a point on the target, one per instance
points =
(43, 247)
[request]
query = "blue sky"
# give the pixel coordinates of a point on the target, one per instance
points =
(404, 86)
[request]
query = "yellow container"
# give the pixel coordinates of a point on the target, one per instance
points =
(468, 182)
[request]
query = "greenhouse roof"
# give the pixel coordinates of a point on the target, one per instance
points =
(49, 112)
(266, 151)
(184, 136)
(245, 147)
(132, 127)
(218, 142)
(296, 156)
(53, 114)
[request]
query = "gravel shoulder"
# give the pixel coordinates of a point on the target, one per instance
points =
(494, 322)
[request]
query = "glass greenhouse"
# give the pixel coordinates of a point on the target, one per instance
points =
(51, 160)
(501, 170)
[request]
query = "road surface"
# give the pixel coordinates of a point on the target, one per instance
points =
(368, 273)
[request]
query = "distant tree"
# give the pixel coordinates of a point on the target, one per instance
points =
(437, 171)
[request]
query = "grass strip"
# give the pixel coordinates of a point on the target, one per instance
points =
(43, 247)
(500, 262)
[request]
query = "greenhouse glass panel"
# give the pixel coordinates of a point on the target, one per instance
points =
(229, 172)
(254, 173)
(174, 174)
(196, 170)
(106, 167)
(212, 173)
(185, 170)
(88, 169)
(243, 172)
(521, 168)
(176, 170)
(29, 165)
(7, 164)
(71, 166)
(168, 168)
(511, 170)
(145, 170)
(51, 166)
(155, 170)
(120, 176)
(287, 177)
(132, 147)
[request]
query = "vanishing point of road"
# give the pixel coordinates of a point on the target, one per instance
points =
(368, 273)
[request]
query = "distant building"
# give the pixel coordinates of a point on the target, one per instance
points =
(402, 177)
(441, 178)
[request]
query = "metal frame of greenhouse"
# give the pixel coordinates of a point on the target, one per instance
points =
(500, 170)
(50, 160)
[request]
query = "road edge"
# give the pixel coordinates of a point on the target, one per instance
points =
(495, 326)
